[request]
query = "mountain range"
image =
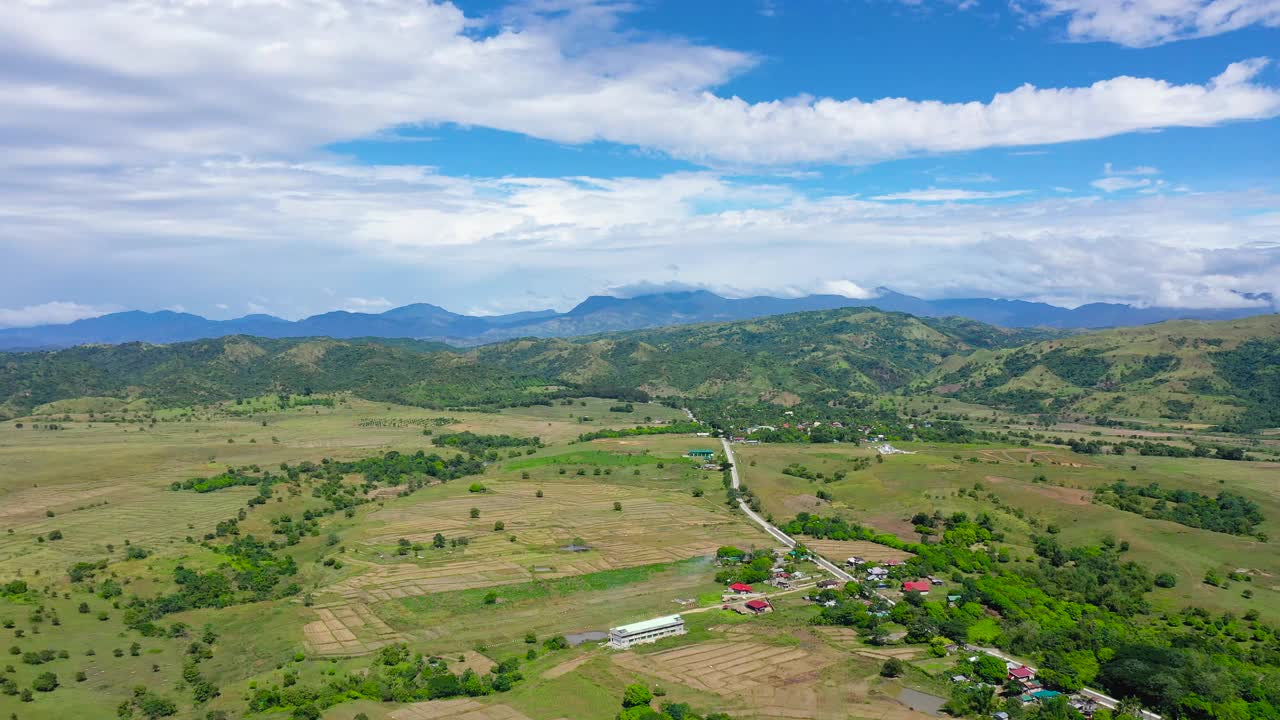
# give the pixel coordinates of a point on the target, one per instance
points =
(596, 314)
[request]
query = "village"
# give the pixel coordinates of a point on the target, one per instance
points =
(879, 585)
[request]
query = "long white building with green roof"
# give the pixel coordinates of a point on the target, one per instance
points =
(647, 631)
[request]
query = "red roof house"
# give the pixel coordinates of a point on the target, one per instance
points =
(1021, 672)
(891, 563)
(920, 586)
(740, 588)
(757, 606)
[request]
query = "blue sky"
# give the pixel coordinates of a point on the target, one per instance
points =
(296, 156)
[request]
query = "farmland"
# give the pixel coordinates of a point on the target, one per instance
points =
(542, 536)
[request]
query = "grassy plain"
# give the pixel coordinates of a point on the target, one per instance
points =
(102, 484)
(886, 494)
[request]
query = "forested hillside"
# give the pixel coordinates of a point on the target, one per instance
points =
(781, 359)
(1222, 373)
(786, 357)
(232, 367)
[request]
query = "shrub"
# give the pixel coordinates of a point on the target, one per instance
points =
(892, 668)
(45, 682)
(1166, 580)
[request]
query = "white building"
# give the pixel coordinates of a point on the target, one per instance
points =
(647, 631)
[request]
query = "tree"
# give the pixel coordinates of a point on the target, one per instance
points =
(1166, 580)
(893, 667)
(475, 513)
(45, 682)
(438, 541)
(490, 598)
(499, 526)
(990, 669)
(617, 506)
(636, 695)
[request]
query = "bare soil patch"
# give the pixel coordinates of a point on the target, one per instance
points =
(459, 709)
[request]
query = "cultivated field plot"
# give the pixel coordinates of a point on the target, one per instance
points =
(349, 628)
(776, 681)
(651, 528)
(456, 710)
(837, 551)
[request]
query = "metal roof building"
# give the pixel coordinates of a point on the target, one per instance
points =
(647, 631)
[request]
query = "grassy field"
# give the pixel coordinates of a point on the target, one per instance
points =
(886, 494)
(104, 485)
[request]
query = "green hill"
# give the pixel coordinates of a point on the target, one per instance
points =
(1224, 373)
(784, 359)
(232, 367)
(781, 358)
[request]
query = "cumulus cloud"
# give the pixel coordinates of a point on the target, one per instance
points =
(163, 79)
(302, 228)
(1143, 23)
(846, 288)
(950, 195)
(57, 312)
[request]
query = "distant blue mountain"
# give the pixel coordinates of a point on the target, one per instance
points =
(596, 314)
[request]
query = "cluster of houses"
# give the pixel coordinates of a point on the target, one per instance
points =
(753, 606)
(1033, 691)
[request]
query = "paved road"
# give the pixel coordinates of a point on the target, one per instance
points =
(1105, 701)
(768, 527)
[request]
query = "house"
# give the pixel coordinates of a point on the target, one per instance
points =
(758, 606)
(920, 586)
(953, 599)
(959, 678)
(824, 584)
(877, 573)
(1001, 715)
(1021, 673)
(701, 454)
(935, 580)
(891, 563)
(740, 588)
(647, 631)
(855, 561)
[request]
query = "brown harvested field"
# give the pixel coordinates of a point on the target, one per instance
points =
(460, 709)
(776, 681)
(347, 628)
(837, 551)
(1062, 495)
(651, 528)
(472, 660)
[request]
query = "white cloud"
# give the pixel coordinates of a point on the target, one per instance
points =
(1143, 23)
(57, 312)
(197, 232)
(950, 195)
(1110, 170)
(846, 288)
(155, 79)
(367, 305)
(1116, 184)
(967, 179)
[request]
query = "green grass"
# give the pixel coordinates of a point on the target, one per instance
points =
(886, 494)
(597, 458)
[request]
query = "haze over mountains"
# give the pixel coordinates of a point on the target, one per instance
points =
(596, 314)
